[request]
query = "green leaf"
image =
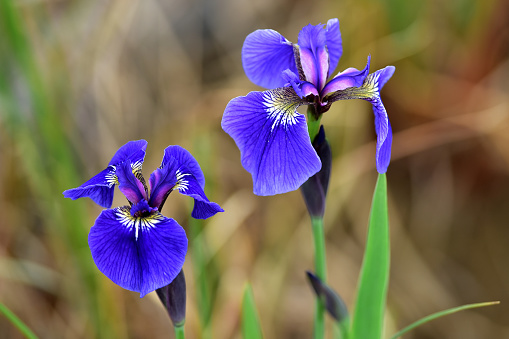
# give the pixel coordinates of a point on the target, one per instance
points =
(374, 277)
(441, 314)
(17, 322)
(250, 323)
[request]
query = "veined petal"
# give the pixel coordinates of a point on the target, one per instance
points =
(162, 182)
(188, 185)
(350, 77)
(139, 254)
(370, 91)
(184, 159)
(273, 139)
(133, 151)
(99, 188)
(302, 88)
(129, 184)
(334, 44)
(313, 54)
(265, 55)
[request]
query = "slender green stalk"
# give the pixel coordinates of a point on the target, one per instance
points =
(179, 332)
(441, 314)
(321, 272)
(20, 325)
(313, 123)
(199, 269)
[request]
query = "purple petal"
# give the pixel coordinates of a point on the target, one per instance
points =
(99, 188)
(273, 139)
(185, 159)
(188, 185)
(383, 155)
(133, 150)
(350, 77)
(302, 88)
(314, 57)
(162, 182)
(385, 74)
(265, 55)
(129, 184)
(138, 254)
(334, 44)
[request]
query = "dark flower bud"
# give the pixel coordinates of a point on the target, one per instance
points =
(332, 301)
(173, 297)
(314, 190)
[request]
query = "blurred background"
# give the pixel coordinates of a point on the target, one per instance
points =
(78, 79)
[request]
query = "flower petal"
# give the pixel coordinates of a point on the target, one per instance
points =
(350, 77)
(313, 55)
(99, 188)
(273, 139)
(133, 150)
(302, 88)
(334, 44)
(138, 254)
(265, 54)
(188, 185)
(129, 184)
(184, 159)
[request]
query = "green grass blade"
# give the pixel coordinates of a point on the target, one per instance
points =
(441, 314)
(251, 328)
(20, 325)
(374, 277)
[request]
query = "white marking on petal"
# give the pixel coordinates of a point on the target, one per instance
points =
(281, 107)
(111, 177)
(182, 184)
(144, 223)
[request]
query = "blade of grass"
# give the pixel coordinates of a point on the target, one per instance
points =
(251, 328)
(374, 277)
(441, 314)
(20, 325)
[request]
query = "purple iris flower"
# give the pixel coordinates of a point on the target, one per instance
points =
(136, 246)
(272, 136)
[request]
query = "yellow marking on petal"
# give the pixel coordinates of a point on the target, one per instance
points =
(281, 106)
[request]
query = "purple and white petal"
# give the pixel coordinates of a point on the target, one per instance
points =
(138, 254)
(334, 44)
(129, 184)
(350, 77)
(383, 149)
(188, 185)
(133, 150)
(273, 139)
(184, 159)
(314, 57)
(384, 75)
(100, 188)
(265, 55)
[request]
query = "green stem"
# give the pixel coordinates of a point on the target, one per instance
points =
(179, 332)
(321, 272)
(313, 123)
(17, 322)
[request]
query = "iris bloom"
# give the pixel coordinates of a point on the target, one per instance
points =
(136, 246)
(272, 136)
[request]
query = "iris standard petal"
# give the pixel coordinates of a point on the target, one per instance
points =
(265, 55)
(350, 77)
(313, 55)
(273, 139)
(138, 254)
(100, 188)
(129, 184)
(133, 150)
(334, 44)
(162, 182)
(188, 185)
(184, 159)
